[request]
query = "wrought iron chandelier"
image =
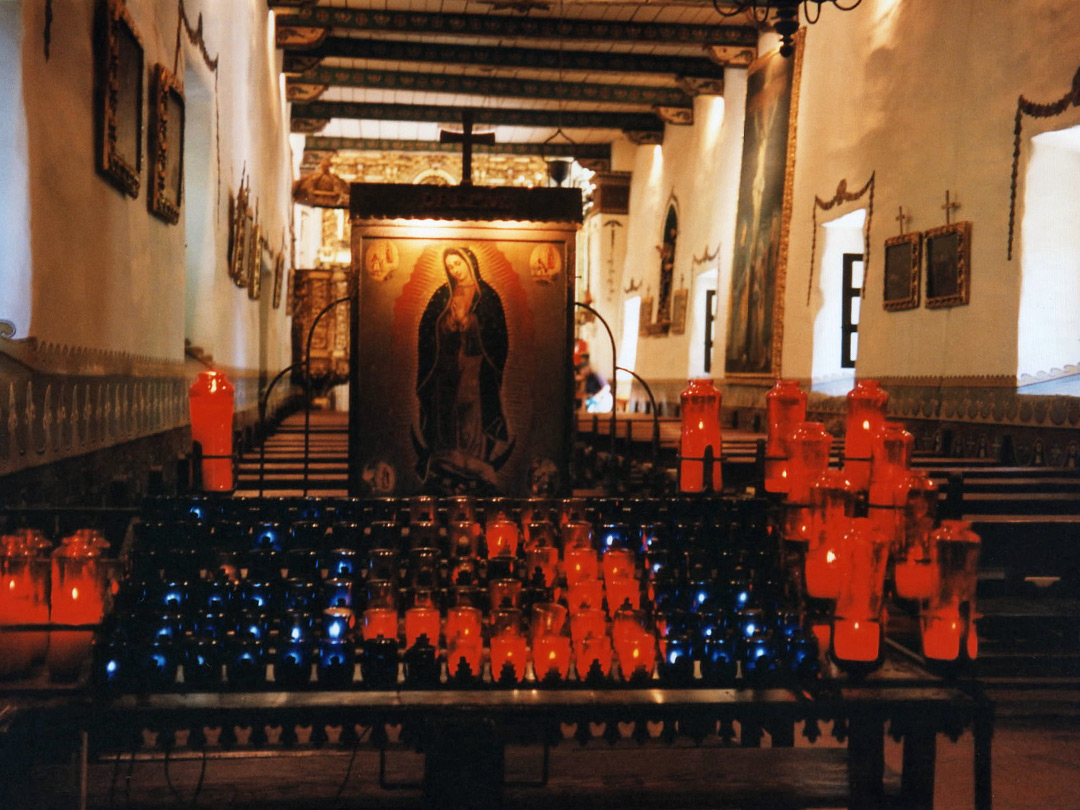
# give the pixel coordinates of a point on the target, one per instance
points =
(786, 12)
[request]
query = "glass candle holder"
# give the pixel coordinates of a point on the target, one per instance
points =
(619, 564)
(461, 509)
(292, 666)
(337, 593)
(383, 564)
(857, 631)
(463, 538)
(890, 461)
(210, 399)
(509, 656)
(24, 581)
(700, 434)
(424, 567)
(381, 593)
(785, 409)
(423, 534)
(337, 624)
(465, 622)
(579, 564)
(422, 622)
(539, 534)
(422, 508)
(380, 622)
(505, 593)
(587, 622)
(502, 538)
(586, 592)
(808, 449)
(576, 534)
(336, 663)
(865, 416)
(464, 656)
(542, 561)
(572, 510)
(832, 500)
(914, 570)
(551, 656)
(948, 617)
(622, 593)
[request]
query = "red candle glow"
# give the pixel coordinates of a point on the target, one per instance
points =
(580, 563)
(509, 648)
(619, 564)
(915, 570)
(585, 593)
(587, 622)
(464, 537)
(785, 408)
(590, 650)
(23, 587)
(951, 607)
(551, 653)
(637, 653)
(544, 559)
(381, 623)
(622, 593)
(576, 534)
(538, 533)
(856, 639)
(941, 635)
(865, 415)
(808, 448)
(502, 538)
(210, 399)
(832, 502)
(466, 648)
(463, 622)
(700, 431)
(422, 621)
(857, 628)
(914, 579)
(505, 593)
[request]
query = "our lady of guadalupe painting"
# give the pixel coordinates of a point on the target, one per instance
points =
(755, 320)
(461, 382)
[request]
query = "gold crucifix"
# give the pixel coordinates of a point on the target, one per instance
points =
(949, 207)
(902, 218)
(466, 138)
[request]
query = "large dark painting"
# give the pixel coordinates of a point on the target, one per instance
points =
(755, 320)
(462, 383)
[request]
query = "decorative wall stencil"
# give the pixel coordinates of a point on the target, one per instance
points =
(843, 196)
(706, 256)
(763, 215)
(120, 97)
(166, 145)
(1026, 107)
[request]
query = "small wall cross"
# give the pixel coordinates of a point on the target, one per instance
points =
(949, 207)
(902, 218)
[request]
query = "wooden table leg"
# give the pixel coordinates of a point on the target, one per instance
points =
(984, 734)
(866, 762)
(917, 776)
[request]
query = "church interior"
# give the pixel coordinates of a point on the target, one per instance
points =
(483, 403)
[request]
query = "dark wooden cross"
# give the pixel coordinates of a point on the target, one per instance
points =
(902, 218)
(949, 207)
(466, 138)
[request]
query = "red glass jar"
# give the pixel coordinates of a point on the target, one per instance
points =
(914, 570)
(948, 623)
(832, 500)
(865, 416)
(889, 465)
(24, 587)
(857, 631)
(785, 409)
(210, 400)
(700, 433)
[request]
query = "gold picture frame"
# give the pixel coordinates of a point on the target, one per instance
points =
(279, 273)
(254, 263)
(166, 146)
(120, 97)
(679, 302)
(239, 221)
(948, 265)
(290, 293)
(645, 316)
(903, 263)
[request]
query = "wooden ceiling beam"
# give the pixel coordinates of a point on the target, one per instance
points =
(492, 57)
(565, 119)
(305, 87)
(581, 151)
(504, 26)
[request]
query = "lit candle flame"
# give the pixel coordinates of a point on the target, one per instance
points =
(830, 557)
(74, 593)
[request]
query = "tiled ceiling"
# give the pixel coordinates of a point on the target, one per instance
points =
(404, 69)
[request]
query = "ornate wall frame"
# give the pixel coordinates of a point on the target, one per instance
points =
(948, 265)
(903, 263)
(238, 236)
(279, 273)
(120, 102)
(254, 262)
(166, 147)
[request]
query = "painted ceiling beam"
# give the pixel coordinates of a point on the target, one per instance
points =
(534, 58)
(503, 26)
(323, 76)
(566, 119)
(582, 151)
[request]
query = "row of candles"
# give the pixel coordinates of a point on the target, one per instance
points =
(851, 560)
(48, 597)
(545, 595)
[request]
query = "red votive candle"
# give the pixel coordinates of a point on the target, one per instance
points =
(808, 449)
(914, 579)
(700, 431)
(857, 627)
(464, 538)
(832, 503)
(509, 648)
(949, 612)
(502, 538)
(210, 399)
(865, 416)
(23, 587)
(942, 633)
(579, 564)
(576, 534)
(505, 593)
(538, 533)
(592, 649)
(587, 622)
(463, 622)
(619, 564)
(585, 593)
(622, 593)
(551, 653)
(544, 559)
(422, 621)
(464, 647)
(785, 408)
(856, 639)
(637, 653)
(381, 622)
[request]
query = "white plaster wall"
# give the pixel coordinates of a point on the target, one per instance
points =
(106, 273)
(15, 294)
(924, 94)
(697, 167)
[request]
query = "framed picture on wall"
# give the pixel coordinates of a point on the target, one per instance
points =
(255, 262)
(903, 260)
(678, 311)
(239, 231)
(120, 98)
(948, 265)
(166, 145)
(645, 316)
(279, 272)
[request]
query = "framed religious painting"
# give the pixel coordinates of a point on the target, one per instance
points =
(166, 145)
(679, 300)
(239, 236)
(763, 216)
(645, 321)
(461, 375)
(255, 262)
(948, 265)
(903, 261)
(279, 272)
(119, 79)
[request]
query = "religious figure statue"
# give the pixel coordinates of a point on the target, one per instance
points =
(461, 351)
